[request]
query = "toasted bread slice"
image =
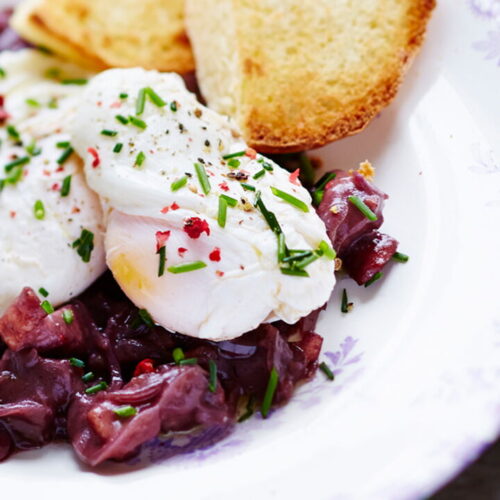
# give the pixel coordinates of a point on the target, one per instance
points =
(100, 34)
(297, 74)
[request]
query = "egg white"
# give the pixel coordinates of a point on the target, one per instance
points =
(227, 297)
(38, 252)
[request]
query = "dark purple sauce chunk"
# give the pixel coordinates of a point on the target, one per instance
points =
(26, 325)
(171, 399)
(363, 250)
(34, 396)
(108, 335)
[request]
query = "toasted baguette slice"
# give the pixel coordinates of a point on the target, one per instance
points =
(297, 74)
(100, 33)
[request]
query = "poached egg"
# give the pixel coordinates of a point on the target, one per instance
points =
(197, 224)
(45, 204)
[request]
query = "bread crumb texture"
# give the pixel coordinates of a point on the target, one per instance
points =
(299, 74)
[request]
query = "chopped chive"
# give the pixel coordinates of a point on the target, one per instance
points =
(139, 159)
(319, 188)
(3, 73)
(66, 186)
(43, 292)
(173, 106)
(53, 73)
(247, 187)
(78, 363)
(125, 411)
(281, 247)
(188, 361)
(249, 410)
(269, 216)
(374, 278)
(362, 207)
(234, 163)
(17, 163)
(272, 385)
(74, 81)
(66, 154)
(15, 175)
(306, 170)
(154, 97)
(84, 245)
(304, 262)
(13, 133)
(118, 147)
(146, 318)
(178, 355)
(401, 257)
(122, 119)
(294, 272)
(47, 307)
(68, 316)
(259, 174)
(123, 95)
(39, 210)
(344, 306)
(63, 144)
(202, 177)
(212, 381)
(298, 255)
(87, 377)
(234, 155)
(292, 200)
(137, 122)
(33, 103)
(141, 102)
(326, 370)
(101, 386)
(267, 166)
(32, 149)
(162, 261)
(327, 251)
(317, 196)
(222, 212)
(324, 180)
(186, 268)
(109, 133)
(179, 183)
(230, 201)
(53, 103)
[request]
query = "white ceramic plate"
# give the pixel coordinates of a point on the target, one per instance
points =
(417, 392)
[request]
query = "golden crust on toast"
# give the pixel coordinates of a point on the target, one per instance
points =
(100, 34)
(299, 74)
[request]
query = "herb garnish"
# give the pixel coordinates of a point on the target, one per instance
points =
(202, 177)
(374, 278)
(125, 411)
(292, 200)
(179, 183)
(400, 257)
(162, 260)
(47, 307)
(185, 268)
(326, 370)
(362, 207)
(272, 385)
(212, 381)
(39, 210)
(84, 245)
(101, 386)
(66, 186)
